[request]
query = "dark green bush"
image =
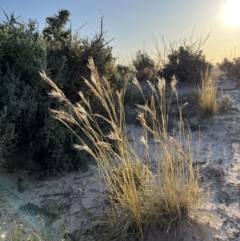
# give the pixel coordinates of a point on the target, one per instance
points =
(231, 68)
(145, 67)
(70, 53)
(68, 56)
(24, 104)
(7, 135)
(121, 77)
(187, 64)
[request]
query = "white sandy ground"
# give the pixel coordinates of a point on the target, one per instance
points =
(74, 199)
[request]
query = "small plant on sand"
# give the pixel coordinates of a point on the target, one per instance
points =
(208, 94)
(147, 197)
(224, 103)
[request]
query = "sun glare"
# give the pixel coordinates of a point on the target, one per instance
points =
(231, 12)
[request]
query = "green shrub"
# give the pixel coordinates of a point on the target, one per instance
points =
(68, 54)
(7, 135)
(68, 58)
(23, 96)
(64, 56)
(145, 67)
(186, 64)
(123, 79)
(122, 76)
(231, 68)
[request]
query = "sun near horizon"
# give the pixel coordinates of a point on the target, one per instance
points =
(231, 12)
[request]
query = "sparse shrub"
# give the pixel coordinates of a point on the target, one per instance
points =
(145, 67)
(143, 201)
(186, 64)
(224, 103)
(208, 94)
(133, 95)
(121, 77)
(231, 68)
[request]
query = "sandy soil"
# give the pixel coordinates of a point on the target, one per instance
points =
(67, 205)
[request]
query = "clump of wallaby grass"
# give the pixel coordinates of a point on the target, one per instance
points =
(144, 199)
(224, 102)
(208, 94)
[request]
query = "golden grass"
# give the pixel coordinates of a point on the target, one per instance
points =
(144, 200)
(208, 94)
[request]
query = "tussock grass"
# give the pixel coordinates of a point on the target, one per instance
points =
(224, 102)
(208, 94)
(146, 197)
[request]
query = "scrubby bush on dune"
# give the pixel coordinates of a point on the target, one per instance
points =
(123, 79)
(72, 50)
(231, 67)
(145, 67)
(23, 95)
(186, 64)
(122, 76)
(145, 201)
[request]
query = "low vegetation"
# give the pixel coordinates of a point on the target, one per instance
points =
(231, 67)
(26, 124)
(145, 67)
(224, 102)
(208, 94)
(187, 63)
(144, 200)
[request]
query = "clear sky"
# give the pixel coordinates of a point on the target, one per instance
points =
(133, 23)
